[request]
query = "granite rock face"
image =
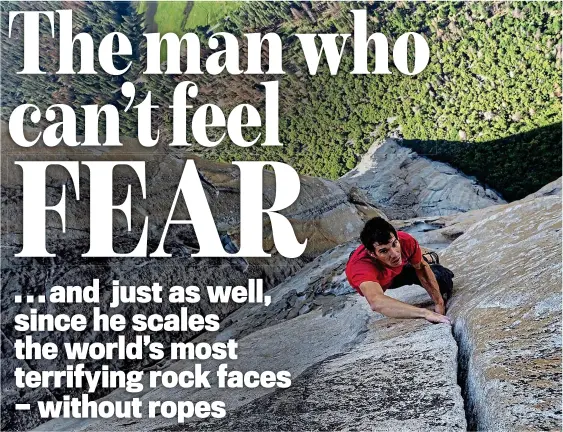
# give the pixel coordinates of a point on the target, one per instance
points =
(553, 188)
(506, 307)
(401, 377)
(405, 185)
(11, 394)
(437, 232)
(507, 315)
(324, 214)
(352, 369)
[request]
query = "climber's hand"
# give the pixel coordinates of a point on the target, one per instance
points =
(440, 308)
(436, 318)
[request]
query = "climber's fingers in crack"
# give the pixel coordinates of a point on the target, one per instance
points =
(437, 318)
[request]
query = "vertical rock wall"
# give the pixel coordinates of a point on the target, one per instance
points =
(352, 369)
(323, 214)
(507, 316)
(405, 185)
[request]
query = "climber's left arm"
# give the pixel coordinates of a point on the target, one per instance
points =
(430, 284)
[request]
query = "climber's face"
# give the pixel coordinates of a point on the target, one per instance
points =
(388, 254)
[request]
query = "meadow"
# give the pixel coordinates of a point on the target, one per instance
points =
(182, 16)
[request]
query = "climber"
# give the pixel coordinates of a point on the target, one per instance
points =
(389, 259)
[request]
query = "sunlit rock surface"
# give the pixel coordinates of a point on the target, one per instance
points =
(324, 214)
(553, 188)
(438, 232)
(405, 185)
(352, 369)
(507, 315)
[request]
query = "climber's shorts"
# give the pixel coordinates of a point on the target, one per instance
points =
(443, 275)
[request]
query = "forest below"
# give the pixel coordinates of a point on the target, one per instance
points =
(489, 101)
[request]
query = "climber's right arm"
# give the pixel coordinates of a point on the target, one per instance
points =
(392, 308)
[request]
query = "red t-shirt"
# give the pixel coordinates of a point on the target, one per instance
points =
(363, 268)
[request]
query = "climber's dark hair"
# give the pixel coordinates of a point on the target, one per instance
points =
(377, 230)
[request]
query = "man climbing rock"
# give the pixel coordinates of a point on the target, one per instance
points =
(389, 259)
